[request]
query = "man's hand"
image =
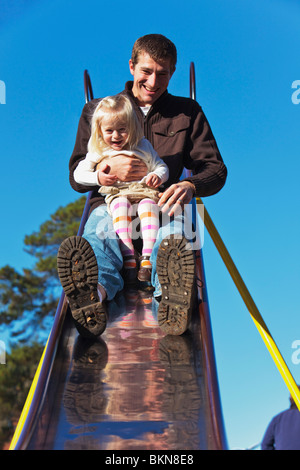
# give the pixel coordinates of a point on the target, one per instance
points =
(174, 198)
(126, 168)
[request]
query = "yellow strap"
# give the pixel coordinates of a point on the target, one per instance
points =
(250, 304)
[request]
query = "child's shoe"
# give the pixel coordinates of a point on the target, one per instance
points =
(144, 274)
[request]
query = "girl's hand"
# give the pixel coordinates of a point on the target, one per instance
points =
(153, 180)
(104, 178)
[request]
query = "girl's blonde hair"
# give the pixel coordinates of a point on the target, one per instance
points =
(119, 107)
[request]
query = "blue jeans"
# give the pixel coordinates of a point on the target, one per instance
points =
(99, 232)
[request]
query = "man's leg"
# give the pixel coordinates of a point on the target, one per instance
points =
(87, 265)
(78, 273)
(169, 226)
(100, 233)
(173, 276)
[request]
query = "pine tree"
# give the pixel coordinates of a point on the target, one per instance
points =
(30, 298)
(15, 380)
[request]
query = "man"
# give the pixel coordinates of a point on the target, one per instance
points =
(283, 432)
(90, 267)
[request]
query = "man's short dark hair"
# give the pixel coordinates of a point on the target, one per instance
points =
(157, 46)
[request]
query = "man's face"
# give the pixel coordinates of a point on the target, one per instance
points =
(150, 79)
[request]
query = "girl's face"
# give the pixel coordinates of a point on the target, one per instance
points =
(114, 132)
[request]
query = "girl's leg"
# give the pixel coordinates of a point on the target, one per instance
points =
(121, 210)
(148, 213)
(169, 226)
(88, 264)
(99, 232)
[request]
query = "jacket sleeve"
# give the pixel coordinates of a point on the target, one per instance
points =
(85, 173)
(203, 157)
(81, 145)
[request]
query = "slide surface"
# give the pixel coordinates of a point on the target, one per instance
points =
(132, 389)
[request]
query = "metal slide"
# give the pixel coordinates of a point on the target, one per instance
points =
(133, 388)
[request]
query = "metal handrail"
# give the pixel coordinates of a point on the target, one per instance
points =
(88, 90)
(192, 81)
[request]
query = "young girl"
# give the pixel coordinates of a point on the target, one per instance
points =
(116, 130)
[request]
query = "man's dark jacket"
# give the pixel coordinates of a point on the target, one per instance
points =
(283, 432)
(179, 132)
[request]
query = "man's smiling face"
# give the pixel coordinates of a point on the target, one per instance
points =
(150, 79)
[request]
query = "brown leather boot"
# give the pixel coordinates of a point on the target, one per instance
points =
(175, 265)
(78, 272)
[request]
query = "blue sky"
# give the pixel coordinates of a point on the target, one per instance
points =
(246, 55)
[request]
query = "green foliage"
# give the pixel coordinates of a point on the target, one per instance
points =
(43, 245)
(33, 294)
(20, 293)
(15, 380)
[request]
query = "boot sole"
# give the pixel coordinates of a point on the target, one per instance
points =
(175, 266)
(78, 273)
